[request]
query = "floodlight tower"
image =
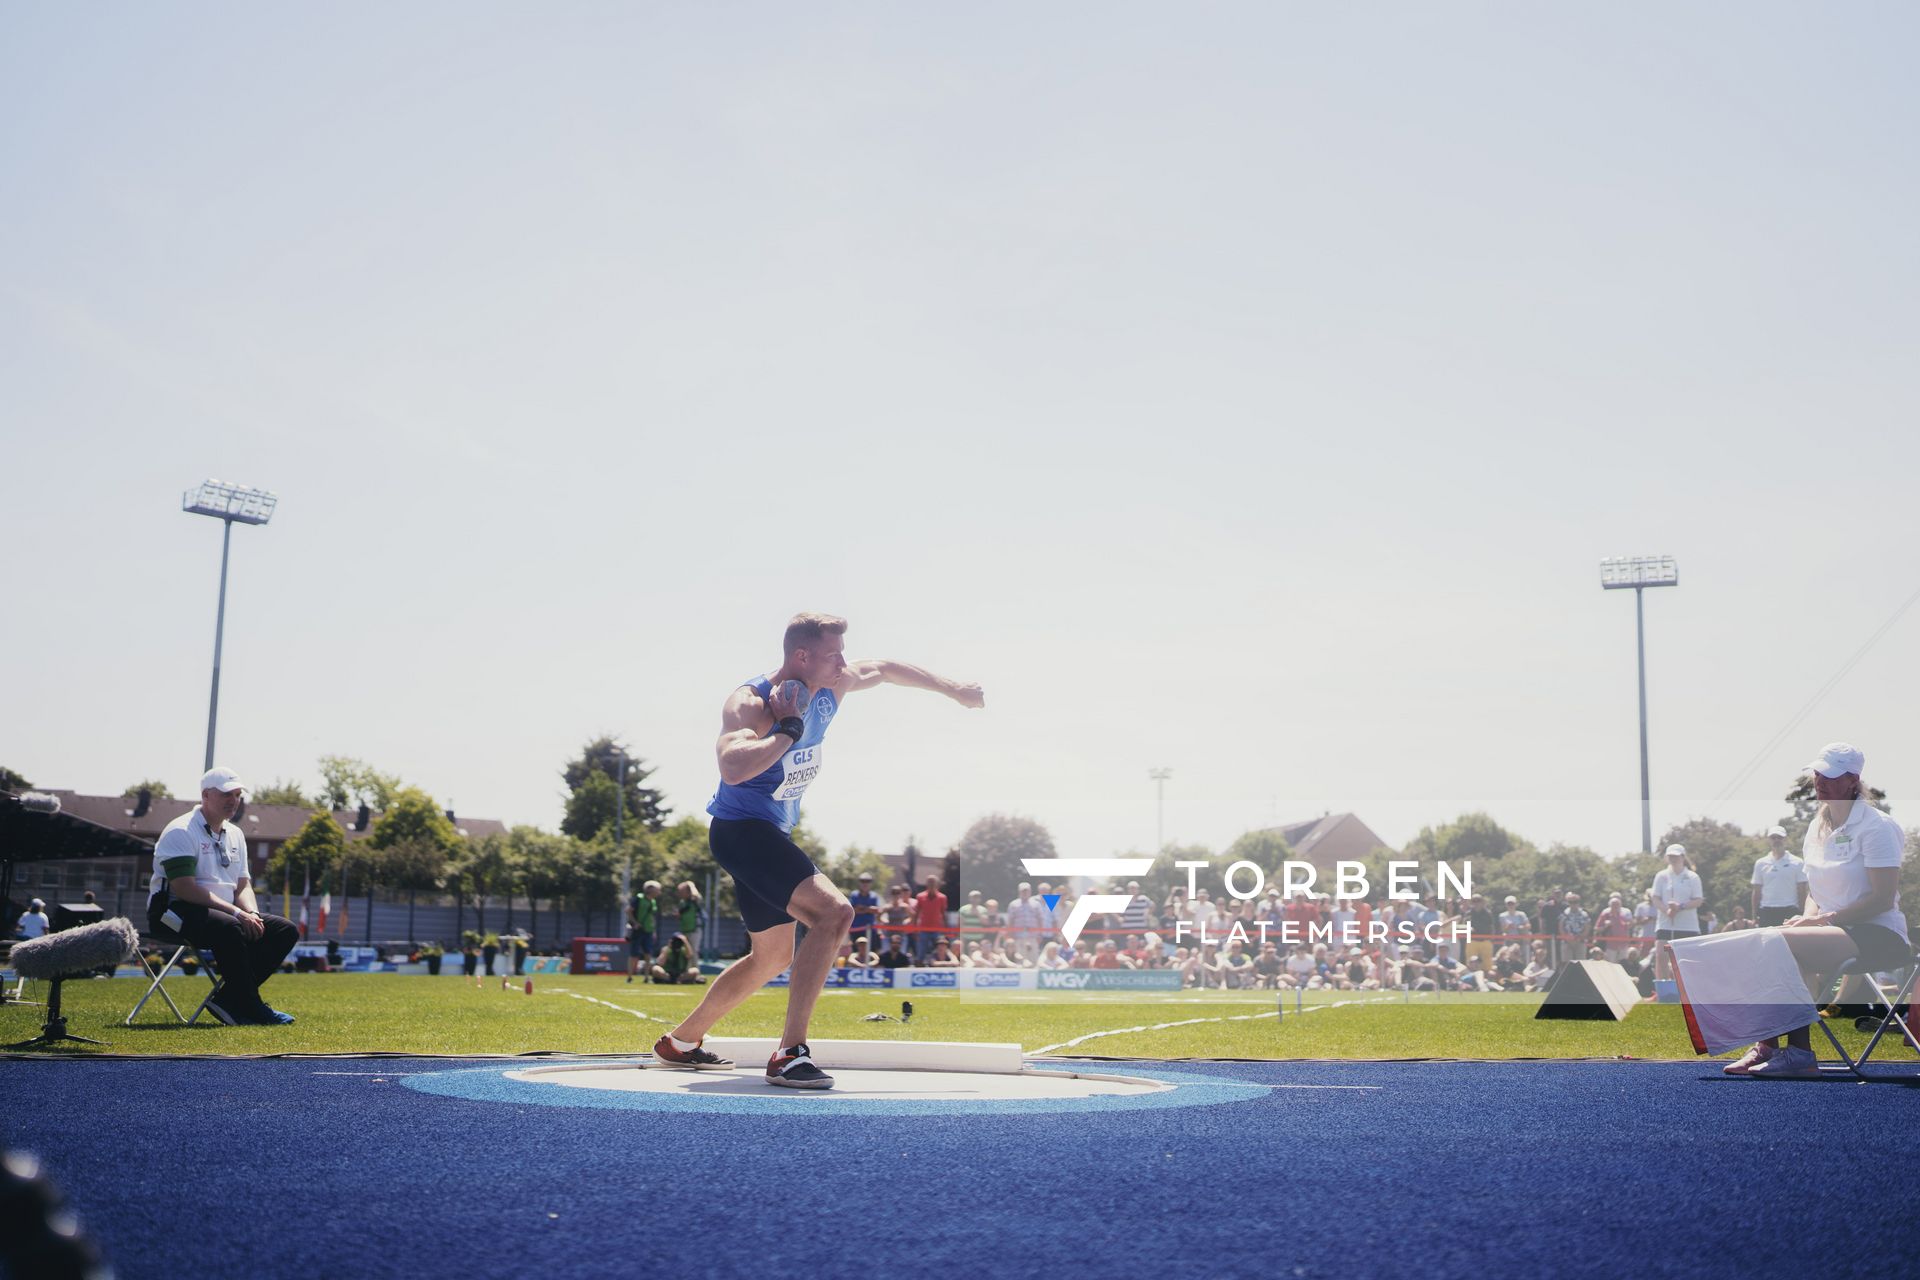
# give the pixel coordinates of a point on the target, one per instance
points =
(1159, 778)
(619, 832)
(230, 504)
(1640, 572)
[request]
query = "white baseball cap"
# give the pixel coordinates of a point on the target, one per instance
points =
(1777, 830)
(221, 778)
(1676, 850)
(1838, 758)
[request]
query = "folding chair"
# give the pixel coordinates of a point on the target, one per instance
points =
(180, 947)
(1892, 1018)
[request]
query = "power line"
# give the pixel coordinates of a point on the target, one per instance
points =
(1806, 708)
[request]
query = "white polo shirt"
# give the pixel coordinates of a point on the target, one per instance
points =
(217, 863)
(1779, 880)
(1677, 886)
(1837, 862)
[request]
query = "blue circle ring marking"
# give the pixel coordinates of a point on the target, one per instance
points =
(494, 1084)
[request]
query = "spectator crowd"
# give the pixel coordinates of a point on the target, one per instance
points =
(1315, 942)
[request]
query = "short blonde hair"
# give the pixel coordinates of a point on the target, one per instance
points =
(805, 629)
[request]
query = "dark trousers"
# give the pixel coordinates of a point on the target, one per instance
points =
(1771, 916)
(243, 963)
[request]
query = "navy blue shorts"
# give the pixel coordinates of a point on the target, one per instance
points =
(765, 865)
(1880, 947)
(640, 943)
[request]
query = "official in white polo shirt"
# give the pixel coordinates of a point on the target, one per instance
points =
(1677, 895)
(201, 891)
(1852, 853)
(1779, 883)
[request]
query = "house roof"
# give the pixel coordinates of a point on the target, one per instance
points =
(1303, 836)
(30, 835)
(270, 822)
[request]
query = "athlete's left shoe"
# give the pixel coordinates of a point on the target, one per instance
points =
(793, 1069)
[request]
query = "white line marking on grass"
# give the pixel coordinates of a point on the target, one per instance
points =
(1189, 1022)
(619, 1008)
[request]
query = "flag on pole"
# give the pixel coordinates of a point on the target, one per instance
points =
(306, 896)
(326, 902)
(345, 900)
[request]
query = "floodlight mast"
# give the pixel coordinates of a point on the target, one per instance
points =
(228, 503)
(1640, 572)
(1159, 778)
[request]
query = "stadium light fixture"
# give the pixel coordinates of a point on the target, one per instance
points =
(1617, 573)
(230, 504)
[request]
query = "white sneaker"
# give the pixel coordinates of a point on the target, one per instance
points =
(1789, 1064)
(1753, 1057)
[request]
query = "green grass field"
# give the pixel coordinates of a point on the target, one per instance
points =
(369, 1013)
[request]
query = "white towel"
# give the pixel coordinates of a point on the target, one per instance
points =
(1736, 988)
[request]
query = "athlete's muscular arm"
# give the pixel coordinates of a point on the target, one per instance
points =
(748, 746)
(869, 672)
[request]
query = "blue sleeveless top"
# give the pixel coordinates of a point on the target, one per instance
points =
(774, 795)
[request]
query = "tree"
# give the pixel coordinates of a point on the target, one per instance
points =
(347, 782)
(686, 855)
(590, 809)
(542, 867)
(1470, 836)
(279, 792)
(587, 880)
(844, 868)
(992, 850)
(158, 789)
(645, 806)
(1264, 849)
(410, 865)
(485, 869)
(1722, 854)
(413, 815)
(14, 782)
(316, 849)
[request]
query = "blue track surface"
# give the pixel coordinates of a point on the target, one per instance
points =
(1436, 1169)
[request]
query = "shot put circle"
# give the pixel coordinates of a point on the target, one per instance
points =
(623, 1086)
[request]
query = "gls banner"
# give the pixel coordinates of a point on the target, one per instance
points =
(843, 978)
(920, 978)
(1109, 980)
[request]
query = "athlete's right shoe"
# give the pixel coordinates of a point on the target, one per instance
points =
(694, 1059)
(793, 1069)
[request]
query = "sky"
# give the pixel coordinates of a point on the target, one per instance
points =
(1246, 390)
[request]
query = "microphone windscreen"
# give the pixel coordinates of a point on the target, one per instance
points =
(76, 951)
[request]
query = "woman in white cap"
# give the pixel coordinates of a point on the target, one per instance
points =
(1852, 853)
(1677, 896)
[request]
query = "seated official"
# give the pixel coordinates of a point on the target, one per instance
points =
(201, 891)
(33, 922)
(1851, 854)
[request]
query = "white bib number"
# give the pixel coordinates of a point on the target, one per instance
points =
(798, 768)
